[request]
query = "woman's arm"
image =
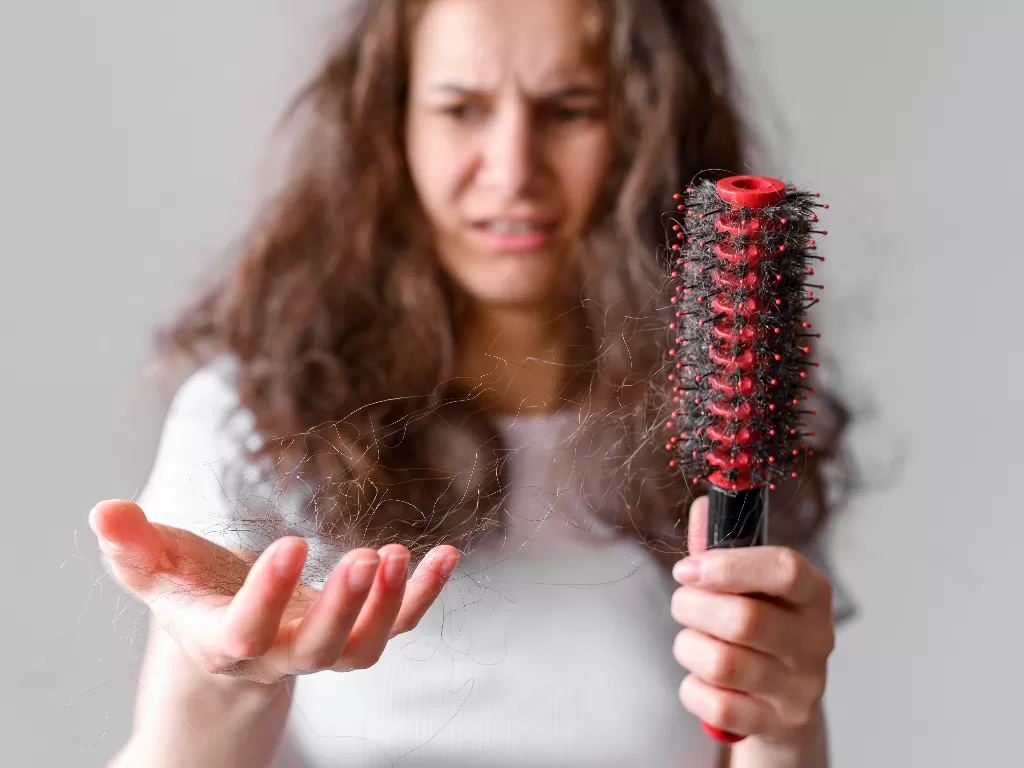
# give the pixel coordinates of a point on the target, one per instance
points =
(185, 716)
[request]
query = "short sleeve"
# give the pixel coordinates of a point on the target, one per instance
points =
(203, 482)
(199, 480)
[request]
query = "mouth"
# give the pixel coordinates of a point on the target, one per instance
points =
(514, 227)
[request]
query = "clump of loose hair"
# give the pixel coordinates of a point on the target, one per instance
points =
(343, 326)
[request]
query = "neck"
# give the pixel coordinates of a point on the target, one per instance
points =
(515, 358)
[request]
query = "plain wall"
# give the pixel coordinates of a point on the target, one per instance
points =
(132, 136)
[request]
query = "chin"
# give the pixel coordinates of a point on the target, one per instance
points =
(512, 287)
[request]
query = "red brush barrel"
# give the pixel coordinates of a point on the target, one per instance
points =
(737, 328)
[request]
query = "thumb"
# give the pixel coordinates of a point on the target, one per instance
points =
(697, 529)
(134, 548)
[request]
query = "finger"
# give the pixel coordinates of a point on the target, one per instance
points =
(741, 620)
(324, 631)
(425, 585)
(135, 549)
(730, 711)
(373, 627)
(779, 572)
(729, 666)
(697, 527)
(251, 621)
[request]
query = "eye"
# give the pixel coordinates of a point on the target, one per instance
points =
(462, 111)
(566, 113)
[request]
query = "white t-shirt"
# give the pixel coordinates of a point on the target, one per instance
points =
(552, 647)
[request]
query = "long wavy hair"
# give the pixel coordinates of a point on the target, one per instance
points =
(343, 327)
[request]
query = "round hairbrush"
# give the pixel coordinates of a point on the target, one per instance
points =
(741, 264)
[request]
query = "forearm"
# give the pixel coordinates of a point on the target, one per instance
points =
(808, 750)
(186, 716)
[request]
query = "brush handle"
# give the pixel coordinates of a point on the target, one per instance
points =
(735, 519)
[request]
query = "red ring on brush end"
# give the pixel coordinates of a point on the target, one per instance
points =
(719, 735)
(751, 191)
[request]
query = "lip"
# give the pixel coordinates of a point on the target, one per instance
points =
(520, 241)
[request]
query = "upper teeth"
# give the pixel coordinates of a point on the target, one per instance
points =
(513, 227)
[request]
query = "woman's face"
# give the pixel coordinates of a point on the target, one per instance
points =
(507, 140)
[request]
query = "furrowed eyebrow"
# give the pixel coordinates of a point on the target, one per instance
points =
(569, 92)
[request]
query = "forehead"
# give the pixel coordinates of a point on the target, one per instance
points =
(484, 43)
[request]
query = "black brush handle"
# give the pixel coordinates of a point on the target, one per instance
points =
(735, 519)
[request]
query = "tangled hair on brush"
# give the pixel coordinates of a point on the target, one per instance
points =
(343, 326)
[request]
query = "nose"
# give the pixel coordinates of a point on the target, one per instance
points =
(510, 159)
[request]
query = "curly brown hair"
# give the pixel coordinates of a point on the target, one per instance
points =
(343, 326)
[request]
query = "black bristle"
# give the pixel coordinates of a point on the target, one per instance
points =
(767, 405)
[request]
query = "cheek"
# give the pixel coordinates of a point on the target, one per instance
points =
(436, 163)
(583, 170)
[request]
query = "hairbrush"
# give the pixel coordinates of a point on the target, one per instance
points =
(742, 256)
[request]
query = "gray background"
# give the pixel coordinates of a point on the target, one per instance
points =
(132, 146)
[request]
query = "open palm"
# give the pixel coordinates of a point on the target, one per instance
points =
(244, 614)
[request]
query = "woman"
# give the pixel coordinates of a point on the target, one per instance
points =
(438, 339)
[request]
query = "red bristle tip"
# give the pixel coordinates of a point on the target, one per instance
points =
(793, 474)
(671, 377)
(672, 463)
(676, 196)
(672, 326)
(771, 486)
(668, 446)
(669, 425)
(681, 207)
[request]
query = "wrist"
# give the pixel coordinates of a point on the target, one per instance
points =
(806, 747)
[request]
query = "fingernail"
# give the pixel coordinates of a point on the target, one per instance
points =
(686, 571)
(360, 575)
(396, 569)
(283, 563)
(448, 566)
